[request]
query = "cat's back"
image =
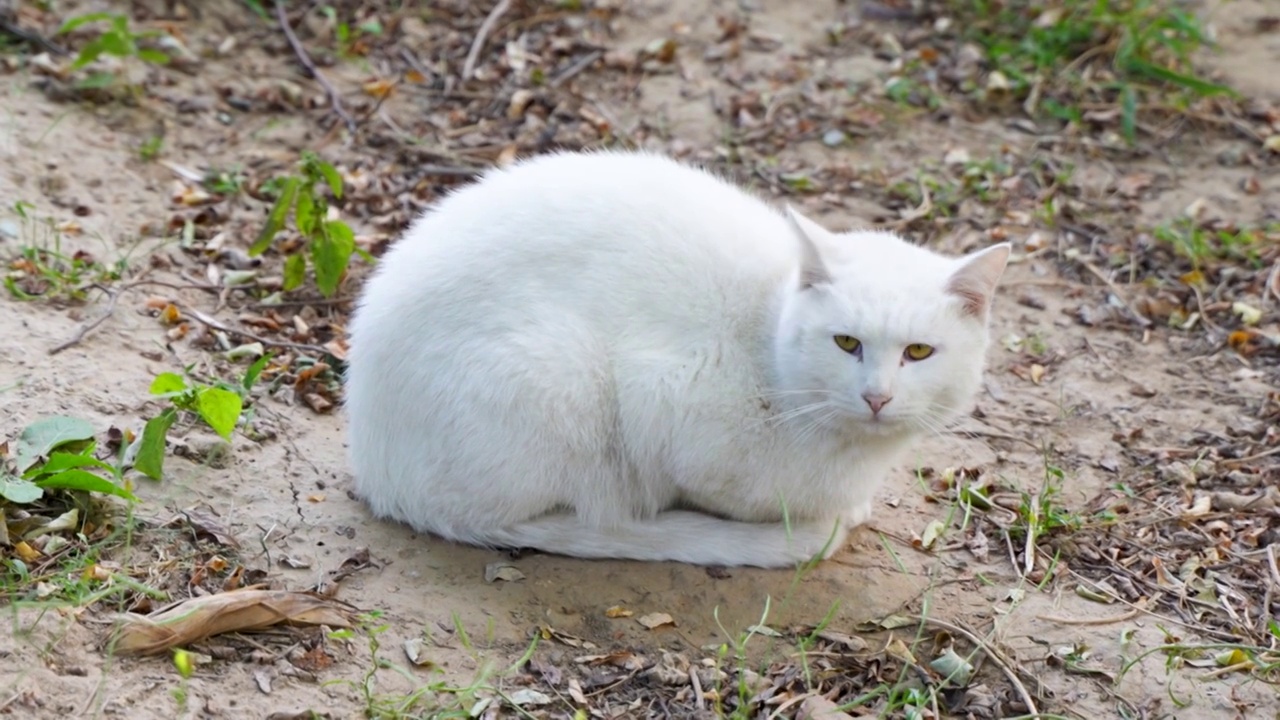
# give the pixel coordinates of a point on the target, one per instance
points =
(587, 218)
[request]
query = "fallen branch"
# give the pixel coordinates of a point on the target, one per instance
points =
(89, 327)
(486, 27)
(1143, 320)
(219, 325)
(335, 101)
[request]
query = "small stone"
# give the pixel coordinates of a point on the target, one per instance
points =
(1233, 156)
(834, 138)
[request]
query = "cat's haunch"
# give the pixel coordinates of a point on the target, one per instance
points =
(614, 355)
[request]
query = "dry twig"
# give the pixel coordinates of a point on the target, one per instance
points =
(335, 100)
(486, 27)
(90, 326)
(994, 654)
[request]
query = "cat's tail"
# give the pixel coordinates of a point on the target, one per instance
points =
(678, 536)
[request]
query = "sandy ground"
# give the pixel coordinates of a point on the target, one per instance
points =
(287, 496)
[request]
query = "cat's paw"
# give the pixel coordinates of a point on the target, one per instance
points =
(858, 515)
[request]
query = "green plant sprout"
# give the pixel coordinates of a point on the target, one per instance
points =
(330, 243)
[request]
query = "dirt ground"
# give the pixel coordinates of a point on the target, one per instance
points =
(1074, 382)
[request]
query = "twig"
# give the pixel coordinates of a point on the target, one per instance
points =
(1091, 621)
(995, 656)
(335, 101)
(698, 696)
(89, 327)
(219, 325)
(1271, 563)
(486, 27)
(1115, 290)
(573, 70)
(33, 38)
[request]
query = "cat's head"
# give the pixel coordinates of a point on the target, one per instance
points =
(882, 335)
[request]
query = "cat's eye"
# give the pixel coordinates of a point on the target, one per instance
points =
(848, 343)
(918, 351)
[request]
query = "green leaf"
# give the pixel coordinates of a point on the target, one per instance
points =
(220, 408)
(114, 43)
(85, 481)
(330, 255)
(275, 219)
(155, 57)
(1190, 82)
(44, 435)
(150, 458)
(304, 213)
(17, 490)
(251, 375)
(96, 81)
(166, 383)
(295, 271)
(1129, 113)
(85, 19)
(59, 461)
(89, 53)
(331, 176)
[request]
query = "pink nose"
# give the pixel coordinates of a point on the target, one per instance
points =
(876, 401)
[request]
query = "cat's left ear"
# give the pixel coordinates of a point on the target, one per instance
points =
(813, 271)
(975, 282)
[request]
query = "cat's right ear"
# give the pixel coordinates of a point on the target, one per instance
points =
(812, 270)
(976, 279)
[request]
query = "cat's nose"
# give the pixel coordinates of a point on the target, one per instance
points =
(876, 401)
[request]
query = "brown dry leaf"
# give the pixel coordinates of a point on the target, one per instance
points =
(202, 521)
(170, 315)
(1037, 373)
(378, 88)
(317, 402)
(549, 633)
(849, 642)
(1244, 341)
(617, 611)
(622, 658)
(25, 552)
(1131, 186)
(1202, 506)
(237, 611)
(899, 650)
(502, 571)
(654, 621)
(817, 707)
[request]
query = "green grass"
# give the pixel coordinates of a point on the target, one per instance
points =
(1203, 246)
(1085, 61)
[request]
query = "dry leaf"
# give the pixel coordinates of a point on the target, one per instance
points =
(502, 571)
(378, 88)
(413, 651)
(25, 552)
(617, 611)
(654, 621)
(236, 611)
(816, 707)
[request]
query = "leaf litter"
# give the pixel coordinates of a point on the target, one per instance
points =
(1189, 536)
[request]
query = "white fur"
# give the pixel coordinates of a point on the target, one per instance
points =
(612, 355)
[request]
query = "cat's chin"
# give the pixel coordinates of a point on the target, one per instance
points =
(879, 426)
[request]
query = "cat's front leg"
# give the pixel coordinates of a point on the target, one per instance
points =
(857, 515)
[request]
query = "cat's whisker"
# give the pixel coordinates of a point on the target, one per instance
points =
(815, 424)
(783, 393)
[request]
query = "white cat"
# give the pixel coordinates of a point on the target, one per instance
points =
(613, 355)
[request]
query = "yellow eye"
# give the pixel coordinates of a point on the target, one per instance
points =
(918, 351)
(848, 344)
